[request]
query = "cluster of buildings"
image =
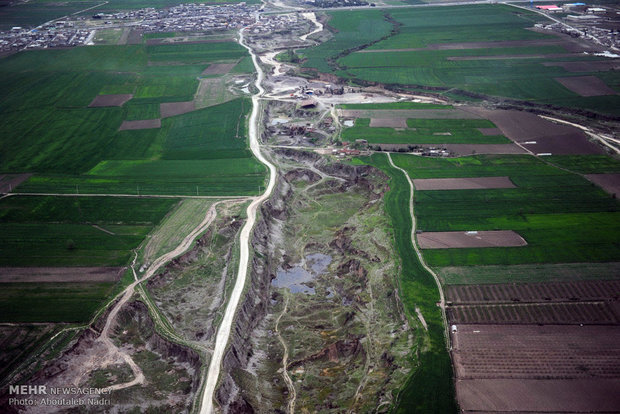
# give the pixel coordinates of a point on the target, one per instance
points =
(57, 34)
(191, 17)
(270, 23)
(601, 23)
(80, 30)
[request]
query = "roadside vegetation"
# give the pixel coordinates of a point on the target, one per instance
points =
(429, 387)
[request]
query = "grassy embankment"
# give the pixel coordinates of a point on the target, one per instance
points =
(429, 389)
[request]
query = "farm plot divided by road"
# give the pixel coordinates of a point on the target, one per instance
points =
(492, 50)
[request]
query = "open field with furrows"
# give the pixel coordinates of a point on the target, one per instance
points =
(430, 389)
(423, 131)
(562, 216)
(580, 313)
(49, 129)
(485, 49)
(528, 273)
(534, 292)
(537, 368)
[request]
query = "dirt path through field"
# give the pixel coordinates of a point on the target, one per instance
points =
(442, 301)
(223, 333)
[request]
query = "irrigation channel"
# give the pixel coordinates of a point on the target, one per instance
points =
(223, 333)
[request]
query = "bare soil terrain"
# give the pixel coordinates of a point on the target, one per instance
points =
(534, 292)
(388, 122)
(409, 113)
(59, 274)
(473, 45)
(110, 100)
(461, 240)
(587, 66)
(586, 85)
(219, 68)
(539, 396)
(141, 124)
(516, 57)
(567, 313)
(490, 131)
(609, 182)
(539, 135)
(169, 109)
(462, 183)
(8, 182)
(183, 40)
(536, 352)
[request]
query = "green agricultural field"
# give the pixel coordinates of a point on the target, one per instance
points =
(352, 30)
(426, 131)
(36, 12)
(429, 388)
(48, 128)
(406, 54)
(528, 273)
(562, 216)
(75, 231)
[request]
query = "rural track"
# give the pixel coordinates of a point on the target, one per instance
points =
(287, 378)
(442, 301)
(129, 291)
(223, 333)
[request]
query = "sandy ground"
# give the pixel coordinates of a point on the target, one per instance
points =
(462, 183)
(142, 124)
(169, 109)
(462, 240)
(586, 85)
(541, 135)
(110, 100)
(388, 122)
(59, 274)
(609, 182)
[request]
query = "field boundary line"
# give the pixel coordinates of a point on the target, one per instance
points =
(442, 301)
(127, 195)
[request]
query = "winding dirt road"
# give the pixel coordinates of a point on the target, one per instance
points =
(223, 333)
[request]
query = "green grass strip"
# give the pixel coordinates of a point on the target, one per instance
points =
(430, 388)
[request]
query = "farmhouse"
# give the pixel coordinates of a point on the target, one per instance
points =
(550, 8)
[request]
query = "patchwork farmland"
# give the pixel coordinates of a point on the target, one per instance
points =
(101, 148)
(489, 50)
